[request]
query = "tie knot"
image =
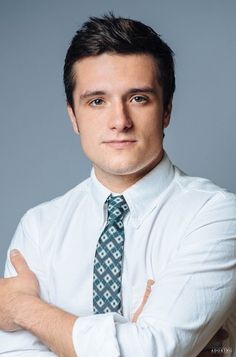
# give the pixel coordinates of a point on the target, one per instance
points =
(117, 208)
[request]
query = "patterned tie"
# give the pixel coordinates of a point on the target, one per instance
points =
(108, 259)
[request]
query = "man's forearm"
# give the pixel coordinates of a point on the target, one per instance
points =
(22, 308)
(50, 324)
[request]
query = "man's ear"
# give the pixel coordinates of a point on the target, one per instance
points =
(73, 119)
(167, 115)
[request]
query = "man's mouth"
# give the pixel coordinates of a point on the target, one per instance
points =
(120, 144)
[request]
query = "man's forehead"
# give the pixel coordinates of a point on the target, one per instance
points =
(114, 59)
(133, 70)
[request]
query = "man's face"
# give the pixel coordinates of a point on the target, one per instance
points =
(118, 112)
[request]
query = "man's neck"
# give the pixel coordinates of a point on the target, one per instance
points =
(120, 183)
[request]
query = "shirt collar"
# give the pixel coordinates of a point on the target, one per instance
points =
(142, 197)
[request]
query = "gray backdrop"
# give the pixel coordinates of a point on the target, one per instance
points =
(41, 158)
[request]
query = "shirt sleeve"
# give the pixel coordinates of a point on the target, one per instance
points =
(22, 343)
(191, 300)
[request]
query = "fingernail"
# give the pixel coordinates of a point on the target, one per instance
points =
(14, 252)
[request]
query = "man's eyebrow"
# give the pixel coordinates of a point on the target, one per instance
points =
(142, 90)
(88, 94)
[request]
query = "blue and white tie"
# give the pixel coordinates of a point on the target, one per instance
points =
(108, 259)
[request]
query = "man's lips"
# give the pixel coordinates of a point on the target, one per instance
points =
(119, 144)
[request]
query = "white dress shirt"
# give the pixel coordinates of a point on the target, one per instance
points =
(180, 232)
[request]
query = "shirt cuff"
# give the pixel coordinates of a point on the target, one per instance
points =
(95, 336)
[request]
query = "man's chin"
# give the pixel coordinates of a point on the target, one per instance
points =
(122, 169)
(129, 167)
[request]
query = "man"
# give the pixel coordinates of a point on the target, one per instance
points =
(139, 259)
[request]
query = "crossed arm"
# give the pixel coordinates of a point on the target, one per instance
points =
(22, 308)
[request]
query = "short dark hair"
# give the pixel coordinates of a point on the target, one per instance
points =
(110, 34)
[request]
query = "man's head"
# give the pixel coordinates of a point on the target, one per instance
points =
(116, 35)
(119, 80)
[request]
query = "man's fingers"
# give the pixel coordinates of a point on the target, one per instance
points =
(18, 261)
(150, 282)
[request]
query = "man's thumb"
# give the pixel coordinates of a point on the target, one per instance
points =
(18, 261)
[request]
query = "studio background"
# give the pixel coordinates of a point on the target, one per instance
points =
(41, 157)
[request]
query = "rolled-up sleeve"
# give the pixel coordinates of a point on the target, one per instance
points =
(192, 299)
(89, 329)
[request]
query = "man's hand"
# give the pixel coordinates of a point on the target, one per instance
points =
(13, 292)
(22, 308)
(212, 348)
(148, 290)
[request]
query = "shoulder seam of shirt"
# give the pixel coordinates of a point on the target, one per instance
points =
(216, 190)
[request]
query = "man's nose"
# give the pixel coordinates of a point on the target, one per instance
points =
(120, 117)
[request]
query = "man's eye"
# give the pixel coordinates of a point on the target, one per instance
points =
(139, 99)
(96, 102)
